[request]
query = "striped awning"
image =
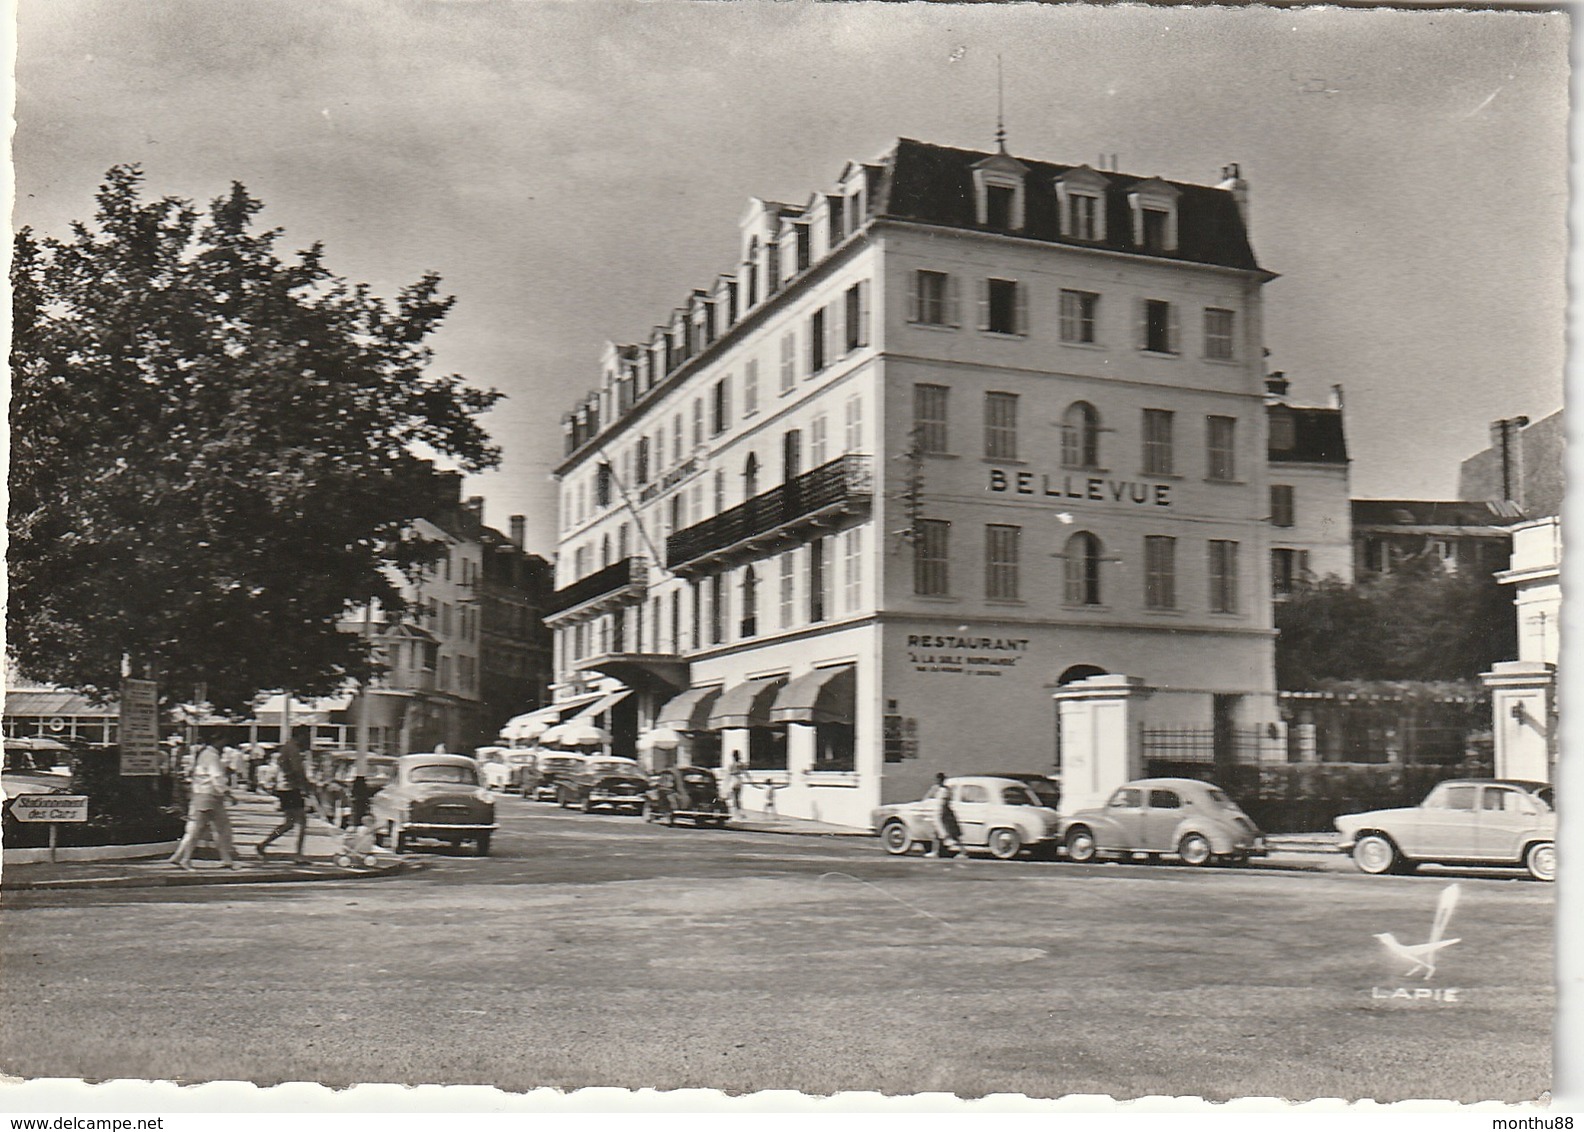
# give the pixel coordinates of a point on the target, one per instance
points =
(690, 710)
(825, 695)
(747, 704)
(603, 704)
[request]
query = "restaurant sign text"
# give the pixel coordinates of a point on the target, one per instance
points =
(961, 654)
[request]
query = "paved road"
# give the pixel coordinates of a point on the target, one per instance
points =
(594, 949)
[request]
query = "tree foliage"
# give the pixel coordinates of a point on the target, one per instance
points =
(215, 451)
(1417, 623)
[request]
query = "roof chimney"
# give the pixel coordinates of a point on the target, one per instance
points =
(1336, 397)
(1232, 181)
(475, 504)
(519, 530)
(1276, 384)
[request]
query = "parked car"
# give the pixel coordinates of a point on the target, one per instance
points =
(1463, 821)
(686, 792)
(604, 780)
(994, 812)
(435, 797)
(1046, 788)
(505, 769)
(335, 793)
(550, 767)
(1159, 817)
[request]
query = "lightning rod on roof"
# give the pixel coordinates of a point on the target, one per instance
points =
(1000, 109)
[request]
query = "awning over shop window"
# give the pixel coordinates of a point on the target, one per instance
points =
(747, 705)
(689, 711)
(825, 695)
(604, 703)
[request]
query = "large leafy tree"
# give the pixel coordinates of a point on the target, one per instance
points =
(216, 452)
(1417, 623)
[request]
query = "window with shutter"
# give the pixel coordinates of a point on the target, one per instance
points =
(1158, 455)
(751, 388)
(1218, 342)
(931, 553)
(1158, 327)
(1081, 563)
(1160, 572)
(788, 361)
(930, 298)
(1003, 308)
(1078, 313)
(1223, 576)
(1000, 420)
(1003, 548)
(1281, 505)
(1221, 448)
(817, 341)
(929, 417)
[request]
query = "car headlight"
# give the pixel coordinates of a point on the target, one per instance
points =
(482, 795)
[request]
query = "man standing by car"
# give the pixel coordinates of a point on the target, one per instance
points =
(948, 834)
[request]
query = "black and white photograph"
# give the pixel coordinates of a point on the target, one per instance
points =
(753, 555)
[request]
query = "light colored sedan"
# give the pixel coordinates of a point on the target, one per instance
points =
(1001, 815)
(1463, 821)
(1165, 817)
(437, 797)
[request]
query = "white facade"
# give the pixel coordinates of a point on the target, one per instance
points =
(984, 457)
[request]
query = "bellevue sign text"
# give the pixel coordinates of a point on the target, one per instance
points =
(1099, 489)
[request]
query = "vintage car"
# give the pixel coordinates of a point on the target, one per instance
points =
(689, 792)
(435, 797)
(1001, 815)
(603, 780)
(550, 767)
(1045, 788)
(1184, 818)
(504, 768)
(1463, 821)
(335, 792)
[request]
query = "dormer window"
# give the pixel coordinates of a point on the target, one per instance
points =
(804, 249)
(1080, 200)
(998, 192)
(1154, 208)
(834, 211)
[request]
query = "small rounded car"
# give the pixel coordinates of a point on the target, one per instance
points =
(1462, 821)
(1193, 821)
(1000, 815)
(435, 797)
(335, 793)
(550, 767)
(604, 780)
(685, 792)
(504, 768)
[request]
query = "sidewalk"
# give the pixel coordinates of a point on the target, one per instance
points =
(252, 817)
(759, 821)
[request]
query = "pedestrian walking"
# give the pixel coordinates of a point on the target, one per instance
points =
(292, 789)
(948, 834)
(234, 764)
(735, 777)
(206, 812)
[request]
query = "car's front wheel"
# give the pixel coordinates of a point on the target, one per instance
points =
(1080, 844)
(483, 843)
(1375, 854)
(587, 804)
(895, 838)
(1004, 844)
(1540, 860)
(1194, 849)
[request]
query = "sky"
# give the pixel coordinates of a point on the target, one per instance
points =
(574, 170)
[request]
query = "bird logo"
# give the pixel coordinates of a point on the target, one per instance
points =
(1423, 955)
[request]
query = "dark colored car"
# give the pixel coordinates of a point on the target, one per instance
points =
(544, 784)
(689, 792)
(603, 781)
(335, 792)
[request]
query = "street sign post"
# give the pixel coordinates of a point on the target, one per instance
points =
(52, 808)
(139, 731)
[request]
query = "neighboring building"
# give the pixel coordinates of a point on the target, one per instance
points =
(514, 645)
(955, 431)
(1310, 496)
(1523, 466)
(1462, 535)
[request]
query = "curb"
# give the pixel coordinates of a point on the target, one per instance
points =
(94, 853)
(801, 832)
(212, 877)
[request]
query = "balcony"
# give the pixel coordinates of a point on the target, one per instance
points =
(617, 584)
(818, 498)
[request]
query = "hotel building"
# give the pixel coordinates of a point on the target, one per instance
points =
(956, 431)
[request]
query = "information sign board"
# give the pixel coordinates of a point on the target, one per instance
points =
(50, 807)
(139, 734)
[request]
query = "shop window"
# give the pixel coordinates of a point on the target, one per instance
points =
(834, 747)
(767, 748)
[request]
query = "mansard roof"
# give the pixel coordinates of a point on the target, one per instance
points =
(934, 184)
(1318, 437)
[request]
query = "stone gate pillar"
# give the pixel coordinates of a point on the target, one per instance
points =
(1523, 718)
(1101, 744)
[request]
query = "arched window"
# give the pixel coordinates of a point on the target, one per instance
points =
(1083, 569)
(1081, 436)
(750, 475)
(750, 603)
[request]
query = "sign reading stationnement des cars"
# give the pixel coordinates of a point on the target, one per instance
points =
(50, 807)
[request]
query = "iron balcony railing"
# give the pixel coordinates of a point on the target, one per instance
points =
(843, 484)
(630, 571)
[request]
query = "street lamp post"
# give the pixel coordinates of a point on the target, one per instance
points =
(360, 790)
